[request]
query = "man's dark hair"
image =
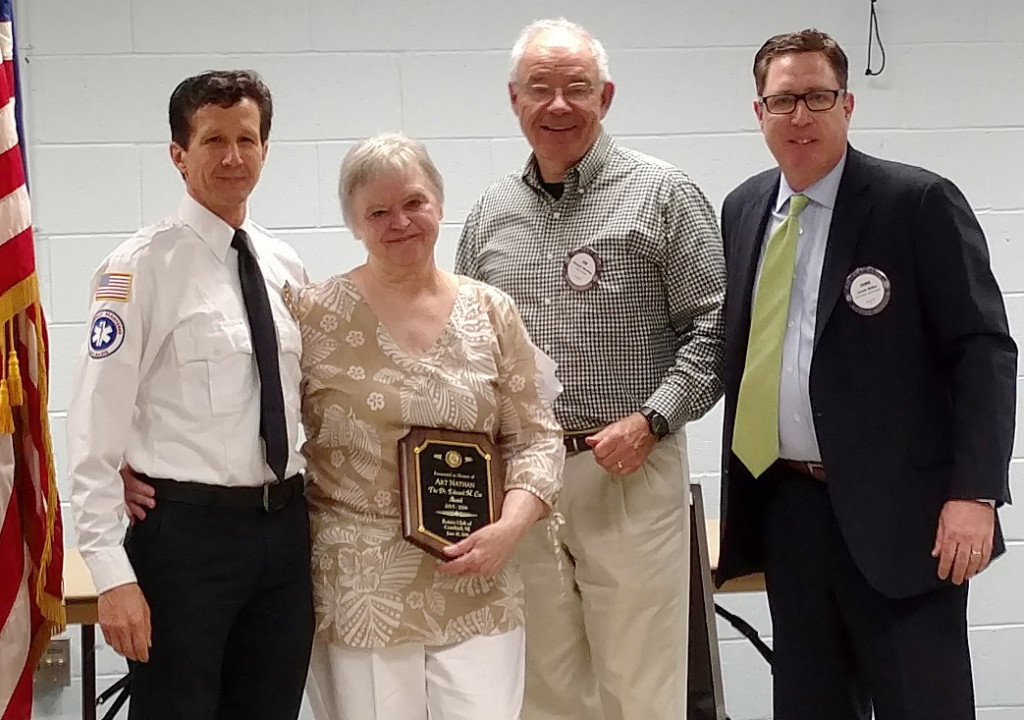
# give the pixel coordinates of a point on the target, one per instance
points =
(804, 41)
(217, 87)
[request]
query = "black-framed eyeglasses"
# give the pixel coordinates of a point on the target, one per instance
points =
(815, 100)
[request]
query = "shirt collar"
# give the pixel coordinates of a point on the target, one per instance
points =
(214, 232)
(822, 192)
(582, 173)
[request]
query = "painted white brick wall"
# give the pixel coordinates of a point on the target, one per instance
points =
(96, 77)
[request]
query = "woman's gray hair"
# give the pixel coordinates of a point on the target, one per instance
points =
(387, 152)
(539, 26)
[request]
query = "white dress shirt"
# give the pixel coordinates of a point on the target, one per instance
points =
(797, 439)
(167, 380)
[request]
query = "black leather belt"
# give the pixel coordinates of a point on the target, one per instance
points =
(576, 440)
(269, 497)
(809, 468)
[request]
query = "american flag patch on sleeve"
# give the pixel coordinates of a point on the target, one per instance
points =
(114, 286)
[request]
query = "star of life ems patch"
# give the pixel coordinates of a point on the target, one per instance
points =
(114, 286)
(105, 335)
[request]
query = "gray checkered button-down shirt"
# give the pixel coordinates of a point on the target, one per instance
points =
(651, 331)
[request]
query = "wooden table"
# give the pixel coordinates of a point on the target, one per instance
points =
(706, 698)
(747, 583)
(80, 605)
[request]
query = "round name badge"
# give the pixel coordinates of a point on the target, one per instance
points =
(867, 290)
(582, 269)
(106, 334)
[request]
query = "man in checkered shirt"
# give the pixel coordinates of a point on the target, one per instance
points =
(615, 262)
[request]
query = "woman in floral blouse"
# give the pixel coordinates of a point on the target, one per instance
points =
(393, 343)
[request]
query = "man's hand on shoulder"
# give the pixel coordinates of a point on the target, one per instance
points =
(124, 619)
(963, 542)
(622, 447)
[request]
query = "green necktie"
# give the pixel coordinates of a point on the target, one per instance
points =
(755, 438)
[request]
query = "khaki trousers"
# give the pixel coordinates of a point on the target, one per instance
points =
(606, 629)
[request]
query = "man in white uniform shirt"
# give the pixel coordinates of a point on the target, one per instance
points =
(190, 375)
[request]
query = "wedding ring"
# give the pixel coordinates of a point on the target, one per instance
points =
(618, 465)
(975, 552)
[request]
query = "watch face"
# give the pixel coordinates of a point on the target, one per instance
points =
(659, 425)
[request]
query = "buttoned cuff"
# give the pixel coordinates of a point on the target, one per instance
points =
(109, 568)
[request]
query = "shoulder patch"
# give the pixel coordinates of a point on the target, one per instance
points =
(114, 286)
(105, 335)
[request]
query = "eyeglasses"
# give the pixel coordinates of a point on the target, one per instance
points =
(816, 101)
(573, 92)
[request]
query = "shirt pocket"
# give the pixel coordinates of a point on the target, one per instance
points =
(629, 237)
(631, 257)
(289, 339)
(217, 367)
(632, 253)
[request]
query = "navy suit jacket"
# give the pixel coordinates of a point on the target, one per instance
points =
(912, 406)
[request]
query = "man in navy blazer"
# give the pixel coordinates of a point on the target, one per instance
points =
(896, 394)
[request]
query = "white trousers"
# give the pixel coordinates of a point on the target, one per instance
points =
(606, 629)
(477, 679)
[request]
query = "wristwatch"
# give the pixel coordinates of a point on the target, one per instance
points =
(656, 422)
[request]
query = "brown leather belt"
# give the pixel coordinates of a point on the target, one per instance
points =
(576, 440)
(812, 469)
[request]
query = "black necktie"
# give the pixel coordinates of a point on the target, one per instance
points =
(264, 343)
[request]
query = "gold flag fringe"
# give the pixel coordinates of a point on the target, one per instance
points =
(51, 606)
(23, 295)
(16, 300)
(13, 370)
(6, 418)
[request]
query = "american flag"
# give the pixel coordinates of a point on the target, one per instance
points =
(114, 286)
(31, 540)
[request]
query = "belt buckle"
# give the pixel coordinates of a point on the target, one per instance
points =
(576, 440)
(575, 443)
(816, 470)
(285, 497)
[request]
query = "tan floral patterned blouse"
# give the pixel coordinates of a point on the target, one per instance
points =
(361, 392)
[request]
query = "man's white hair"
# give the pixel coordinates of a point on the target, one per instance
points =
(540, 26)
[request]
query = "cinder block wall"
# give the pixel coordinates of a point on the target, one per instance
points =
(96, 78)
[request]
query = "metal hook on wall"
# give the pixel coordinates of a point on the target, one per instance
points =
(874, 36)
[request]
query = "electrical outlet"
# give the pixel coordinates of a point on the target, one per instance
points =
(54, 668)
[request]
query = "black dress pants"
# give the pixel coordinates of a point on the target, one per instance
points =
(231, 608)
(841, 647)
